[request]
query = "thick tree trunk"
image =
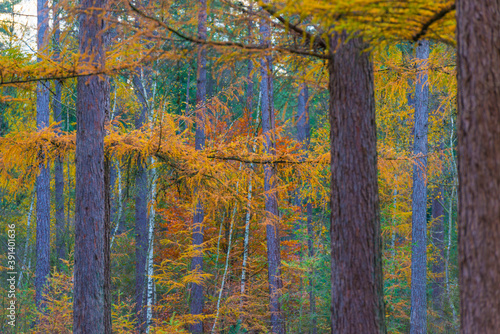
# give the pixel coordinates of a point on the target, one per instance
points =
(270, 201)
(357, 280)
(197, 298)
(43, 179)
(437, 235)
(58, 164)
(478, 36)
(92, 100)
(418, 314)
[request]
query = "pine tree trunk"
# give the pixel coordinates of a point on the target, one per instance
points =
(141, 206)
(418, 314)
(478, 36)
(197, 297)
(58, 164)
(357, 280)
(270, 201)
(43, 180)
(92, 100)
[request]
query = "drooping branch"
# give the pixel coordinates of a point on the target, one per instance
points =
(433, 19)
(250, 47)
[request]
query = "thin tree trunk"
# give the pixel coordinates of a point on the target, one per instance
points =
(58, 164)
(92, 99)
(150, 259)
(437, 235)
(418, 314)
(197, 298)
(26, 245)
(120, 204)
(43, 179)
(357, 280)
(478, 37)
(142, 82)
(270, 201)
(304, 136)
(447, 261)
(230, 239)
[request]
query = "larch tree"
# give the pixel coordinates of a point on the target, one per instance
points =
(270, 201)
(478, 40)
(43, 180)
(418, 314)
(90, 209)
(357, 280)
(58, 163)
(197, 297)
(141, 202)
(304, 137)
(437, 236)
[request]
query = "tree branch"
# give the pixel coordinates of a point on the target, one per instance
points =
(433, 19)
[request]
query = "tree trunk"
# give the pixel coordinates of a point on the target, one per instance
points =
(197, 298)
(418, 314)
(58, 164)
(92, 100)
(437, 235)
(357, 280)
(141, 207)
(43, 180)
(270, 202)
(478, 36)
(304, 136)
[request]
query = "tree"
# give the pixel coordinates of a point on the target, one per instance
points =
(418, 315)
(478, 36)
(271, 203)
(304, 136)
(58, 163)
(141, 203)
(197, 298)
(357, 295)
(43, 179)
(90, 244)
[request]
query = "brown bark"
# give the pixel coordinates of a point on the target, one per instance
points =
(357, 295)
(90, 209)
(43, 179)
(197, 296)
(478, 37)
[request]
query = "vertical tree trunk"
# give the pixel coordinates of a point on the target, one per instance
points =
(43, 180)
(437, 235)
(197, 298)
(141, 208)
(304, 136)
(418, 314)
(92, 99)
(357, 280)
(58, 164)
(270, 201)
(478, 36)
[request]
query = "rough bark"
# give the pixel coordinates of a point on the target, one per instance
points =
(478, 37)
(197, 297)
(270, 201)
(357, 280)
(418, 314)
(43, 180)
(92, 100)
(58, 163)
